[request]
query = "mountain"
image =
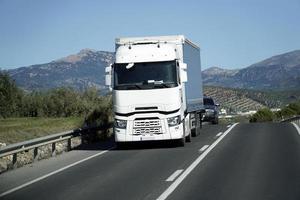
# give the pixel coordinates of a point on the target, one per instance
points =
(86, 69)
(81, 70)
(278, 72)
(217, 76)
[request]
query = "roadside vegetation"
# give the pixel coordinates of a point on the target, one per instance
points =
(266, 115)
(14, 130)
(234, 119)
(26, 115)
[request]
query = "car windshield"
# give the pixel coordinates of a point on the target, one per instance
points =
(207, 101)
(149, 75)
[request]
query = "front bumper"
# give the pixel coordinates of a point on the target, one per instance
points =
(208, 116)
(129, 135)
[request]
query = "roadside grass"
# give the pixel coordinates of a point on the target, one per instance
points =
(14, 130)
(235, 119)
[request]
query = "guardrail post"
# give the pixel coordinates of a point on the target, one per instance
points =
(53, 152)
(69, 144)
(35, 154)
(14, 161)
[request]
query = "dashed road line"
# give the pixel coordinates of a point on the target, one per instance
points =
(219, 134)
(203, 148)
(175, 184)
(174, 175)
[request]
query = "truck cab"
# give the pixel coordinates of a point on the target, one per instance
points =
(148, 82)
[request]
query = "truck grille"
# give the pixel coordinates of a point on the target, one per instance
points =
(142, 131)
(147, 123)
(152, 126)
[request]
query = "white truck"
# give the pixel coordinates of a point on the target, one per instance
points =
(157, 89)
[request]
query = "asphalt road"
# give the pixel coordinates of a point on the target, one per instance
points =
(244, 161)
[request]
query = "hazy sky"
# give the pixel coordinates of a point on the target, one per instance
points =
(231, 33)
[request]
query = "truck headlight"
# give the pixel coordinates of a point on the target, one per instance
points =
(173, 121)
(120, 123)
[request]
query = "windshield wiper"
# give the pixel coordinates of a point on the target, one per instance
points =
(137, 86)
(164, 85)
(129, 86)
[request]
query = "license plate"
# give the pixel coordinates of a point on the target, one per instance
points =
(147, 138)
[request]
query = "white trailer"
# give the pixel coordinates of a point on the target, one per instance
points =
(157, 89)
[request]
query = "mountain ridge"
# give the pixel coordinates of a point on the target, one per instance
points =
(277, 72)
(81, 70)
(86, 69)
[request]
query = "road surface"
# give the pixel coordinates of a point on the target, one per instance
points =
(241, 161)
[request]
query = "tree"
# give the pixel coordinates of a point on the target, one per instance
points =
(10, 96)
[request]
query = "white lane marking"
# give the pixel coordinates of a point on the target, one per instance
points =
(219, 134)
(175, 184)
(228, 126)
(52, 173)
(174, 175)
(203, 148)
(297, 127)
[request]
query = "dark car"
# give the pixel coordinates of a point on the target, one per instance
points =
(211, 110)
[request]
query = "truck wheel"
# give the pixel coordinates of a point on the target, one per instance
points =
(193, 132)
(120, 145)
(181, 142)
(198, 131)
(188, 138)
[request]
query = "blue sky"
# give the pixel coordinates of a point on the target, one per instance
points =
(231, 33)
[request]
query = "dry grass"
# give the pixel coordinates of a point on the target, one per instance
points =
(14, 130)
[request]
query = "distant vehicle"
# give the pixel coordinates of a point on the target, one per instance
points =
(211, 110)
(157, 89)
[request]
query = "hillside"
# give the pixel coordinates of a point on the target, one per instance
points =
(81, 70)
(244, 100)
(232, 100)
(281, 72)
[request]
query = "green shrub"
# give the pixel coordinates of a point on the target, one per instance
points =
(295, 107)
(262, 115)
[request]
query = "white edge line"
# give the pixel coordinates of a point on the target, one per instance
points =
(204, 147)
(219, 134)
(174, 175)
(174, 185)
(297, 127)
(52, 173)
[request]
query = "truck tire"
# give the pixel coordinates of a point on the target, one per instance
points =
(193, 132)
(181, 142)
(188, 138)
(120, 145)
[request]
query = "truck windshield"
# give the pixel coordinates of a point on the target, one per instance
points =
(150, 75)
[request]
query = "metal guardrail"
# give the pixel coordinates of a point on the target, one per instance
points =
(34, 144)
(295, 119)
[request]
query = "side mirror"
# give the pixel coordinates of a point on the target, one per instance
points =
(108, 74)
(183, 72)
(217, 104)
